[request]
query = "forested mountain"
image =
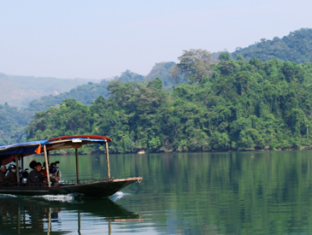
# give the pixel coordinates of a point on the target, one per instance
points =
(253, 74)
(296, 47)
(20, 90)
(242, 106)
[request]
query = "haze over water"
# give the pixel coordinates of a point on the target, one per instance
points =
(191, 193)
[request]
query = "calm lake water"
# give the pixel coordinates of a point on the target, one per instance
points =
(193, 193)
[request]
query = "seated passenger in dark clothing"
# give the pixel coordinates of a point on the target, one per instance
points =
(35, 177)
(55, 174)
(11, 178)
(2, 175)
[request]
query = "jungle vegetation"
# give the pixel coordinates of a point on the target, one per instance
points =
(242, 105)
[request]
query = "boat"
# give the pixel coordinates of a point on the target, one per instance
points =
(92, 188)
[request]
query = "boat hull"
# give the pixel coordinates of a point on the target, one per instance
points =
(105, 188)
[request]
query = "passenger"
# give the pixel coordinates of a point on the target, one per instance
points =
(3, 170)
(55, 174)
(35, 177)
(11, 178)
(32, 164)
(43, 170)
(23, 175)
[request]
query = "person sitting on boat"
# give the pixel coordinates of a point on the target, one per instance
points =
(55, 174)
(35, 177)
(11, 178)
(3, 171)
(43, 170)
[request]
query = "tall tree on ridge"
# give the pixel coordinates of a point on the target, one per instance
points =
(195, 64)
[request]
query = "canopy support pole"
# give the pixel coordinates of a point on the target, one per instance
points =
(109, 227)
(77, 165)
(107, 160)
(48, 156)
(46, 164)
(22, 160)
(17, 169)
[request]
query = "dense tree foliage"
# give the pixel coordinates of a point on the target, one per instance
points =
(296, 47)
(242, 106)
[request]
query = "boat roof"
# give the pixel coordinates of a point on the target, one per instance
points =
(8, 152)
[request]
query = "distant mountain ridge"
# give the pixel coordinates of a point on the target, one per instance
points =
(87, 93)
(295, 47)
(20, 90)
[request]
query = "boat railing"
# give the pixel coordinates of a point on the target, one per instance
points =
(61, 183)
(14, 185)
(84, 181)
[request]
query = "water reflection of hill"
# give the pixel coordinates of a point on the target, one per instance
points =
(31, 215)
(210, 193)
(223, 193)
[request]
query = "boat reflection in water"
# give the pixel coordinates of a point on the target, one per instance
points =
(36, 215)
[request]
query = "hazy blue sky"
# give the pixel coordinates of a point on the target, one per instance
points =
(102, 38)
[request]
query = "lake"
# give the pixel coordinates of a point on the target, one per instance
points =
(183, 193)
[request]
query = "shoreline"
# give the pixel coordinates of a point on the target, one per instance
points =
(211, 151)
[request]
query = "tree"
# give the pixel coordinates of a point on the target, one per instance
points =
(225, 56)
(195, 64)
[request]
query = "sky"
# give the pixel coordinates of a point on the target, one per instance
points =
(102, 38)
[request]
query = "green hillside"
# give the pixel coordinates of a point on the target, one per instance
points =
(296, 47)
(86, 94)
(242, 106)
(12, 124)
(162, 70)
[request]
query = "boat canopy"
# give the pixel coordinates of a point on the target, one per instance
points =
(9, 152)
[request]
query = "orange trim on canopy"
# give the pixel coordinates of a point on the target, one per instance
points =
(82, 136)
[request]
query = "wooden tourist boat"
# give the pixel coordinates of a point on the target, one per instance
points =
(99, 188)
